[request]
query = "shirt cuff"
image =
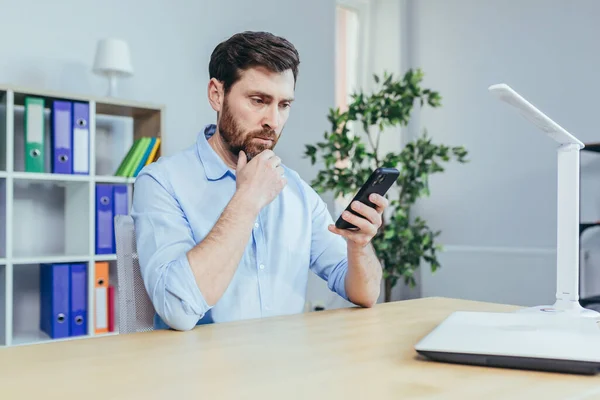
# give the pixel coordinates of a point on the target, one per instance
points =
(197, 305)
(337, 279)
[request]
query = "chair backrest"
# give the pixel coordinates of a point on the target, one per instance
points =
(136, 312)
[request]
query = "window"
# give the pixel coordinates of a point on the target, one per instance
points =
(351, 38)
(347, 28)
(350, 62)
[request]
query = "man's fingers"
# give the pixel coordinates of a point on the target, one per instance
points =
(369, 213)
(362, 224)
(280, 170)
(379, 201)
(242, 160)
(274, 161)
(354, 236)
(266, 154)
(342, 232)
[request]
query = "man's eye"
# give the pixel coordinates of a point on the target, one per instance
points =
(257, 101)
(286, 105)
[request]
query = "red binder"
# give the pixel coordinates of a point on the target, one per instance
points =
(111, 308)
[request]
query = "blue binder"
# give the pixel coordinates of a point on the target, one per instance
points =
(104, 219)
(54, 299)
(78, 320)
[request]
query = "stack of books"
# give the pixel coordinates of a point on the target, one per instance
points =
(142, 152)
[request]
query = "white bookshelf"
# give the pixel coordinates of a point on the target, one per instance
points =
(33, 204)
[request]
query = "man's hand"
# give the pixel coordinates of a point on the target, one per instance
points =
(367, 226)
(363, 279)
(215, 259)
(261, 179)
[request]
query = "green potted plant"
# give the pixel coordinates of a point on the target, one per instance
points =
(351, 151)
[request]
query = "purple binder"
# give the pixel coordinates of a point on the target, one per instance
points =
(62, 139)
(78, 320)
(120, 205)
(104, 219)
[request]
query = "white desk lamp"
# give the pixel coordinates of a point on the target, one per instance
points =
(112, 60)
(567, 263)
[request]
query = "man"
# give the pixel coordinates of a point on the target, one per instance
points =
(224, 230)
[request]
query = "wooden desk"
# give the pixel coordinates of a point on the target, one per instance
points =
(338, 354)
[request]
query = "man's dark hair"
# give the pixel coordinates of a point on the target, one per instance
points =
(251, 49)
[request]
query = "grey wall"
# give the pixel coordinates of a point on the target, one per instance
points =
(498, 213)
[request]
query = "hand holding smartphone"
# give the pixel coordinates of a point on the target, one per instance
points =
(380, 181)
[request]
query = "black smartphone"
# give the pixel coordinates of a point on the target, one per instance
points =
(380, 181)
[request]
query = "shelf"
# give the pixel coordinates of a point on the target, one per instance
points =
(595, 147)
(39, 337)
(3, 216)
(49, 218)
(105, 257)
(35, 176)
(50, 259)
(4, 334)
(105, 334)
(584, 226)
(593, 302)
(113, 179)
(5, 99)
(118, 105)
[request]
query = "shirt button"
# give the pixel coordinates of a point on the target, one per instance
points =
(261, 266)
(256, 225)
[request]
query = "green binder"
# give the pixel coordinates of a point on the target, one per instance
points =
(34, 125)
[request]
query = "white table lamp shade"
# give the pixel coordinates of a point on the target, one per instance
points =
(113, 58)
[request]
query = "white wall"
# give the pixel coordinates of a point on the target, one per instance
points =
(498, 213)
(171, 43)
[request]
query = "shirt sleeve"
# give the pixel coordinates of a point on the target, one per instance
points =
(329, 252)
(163, 238)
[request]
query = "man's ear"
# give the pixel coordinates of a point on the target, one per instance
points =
(215, 94)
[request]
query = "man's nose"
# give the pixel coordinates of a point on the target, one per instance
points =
(271, 118)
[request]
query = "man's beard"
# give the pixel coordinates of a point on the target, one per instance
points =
(235, 139)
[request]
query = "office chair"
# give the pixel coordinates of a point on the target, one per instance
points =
(136, 312)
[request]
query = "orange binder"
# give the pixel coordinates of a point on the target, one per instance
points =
(101, 297)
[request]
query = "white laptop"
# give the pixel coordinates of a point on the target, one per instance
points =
(522, 340)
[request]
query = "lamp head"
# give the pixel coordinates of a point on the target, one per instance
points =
(529, 111)
(113, 58)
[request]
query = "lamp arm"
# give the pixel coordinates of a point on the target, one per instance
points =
(567, 240)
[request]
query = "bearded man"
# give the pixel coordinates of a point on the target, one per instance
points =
(224, 230)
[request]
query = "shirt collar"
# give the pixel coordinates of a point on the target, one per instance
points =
(214, 167)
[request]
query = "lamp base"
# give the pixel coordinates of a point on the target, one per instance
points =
(563, 307)
(112, 85)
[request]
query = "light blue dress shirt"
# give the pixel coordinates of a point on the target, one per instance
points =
(178, 199)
